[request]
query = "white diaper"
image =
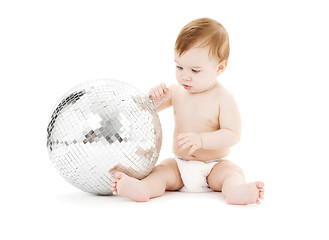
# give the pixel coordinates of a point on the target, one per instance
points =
(194, 174)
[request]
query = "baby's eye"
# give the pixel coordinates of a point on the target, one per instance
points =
(178, 67)
(195, 71)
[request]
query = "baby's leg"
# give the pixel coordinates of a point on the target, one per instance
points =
(164, 176)
(229, 179)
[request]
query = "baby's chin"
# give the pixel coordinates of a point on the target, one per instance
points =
(195, 91)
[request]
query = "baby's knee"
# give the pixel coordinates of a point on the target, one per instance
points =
(170, 171)
(160, 168)
(237, 170)
(168, 165)
(231, 169)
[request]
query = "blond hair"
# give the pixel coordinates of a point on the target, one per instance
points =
(207, 31)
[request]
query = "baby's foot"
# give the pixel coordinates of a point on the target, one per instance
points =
(248, 193)
(129, 187)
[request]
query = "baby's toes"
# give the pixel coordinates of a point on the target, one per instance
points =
(114, 190)
(260, 185)
(261, 194)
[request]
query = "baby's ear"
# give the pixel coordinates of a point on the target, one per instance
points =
(221, 66)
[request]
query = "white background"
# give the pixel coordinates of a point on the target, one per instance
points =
(278, 72)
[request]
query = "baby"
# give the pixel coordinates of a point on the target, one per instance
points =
(207, 124)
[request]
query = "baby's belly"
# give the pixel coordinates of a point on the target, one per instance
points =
(201, 154)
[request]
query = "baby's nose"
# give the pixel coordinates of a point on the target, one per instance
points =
(187, 78)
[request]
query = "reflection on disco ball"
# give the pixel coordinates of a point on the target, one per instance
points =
(100, 124)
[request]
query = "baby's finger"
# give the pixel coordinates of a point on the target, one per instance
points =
(184, 146)
(159, 92)
(181, 142)
(164, 88)
(113, 169)
(180, 136)
(151, 93)
(154, 94)
(193, 148)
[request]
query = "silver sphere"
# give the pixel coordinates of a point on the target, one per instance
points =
(99, 125)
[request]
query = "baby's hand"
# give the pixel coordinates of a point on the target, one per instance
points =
(159, 93)
(192, 140)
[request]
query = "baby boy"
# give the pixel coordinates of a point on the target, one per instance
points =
(207, 124)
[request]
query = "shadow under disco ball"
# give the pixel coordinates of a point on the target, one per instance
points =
(100, 124)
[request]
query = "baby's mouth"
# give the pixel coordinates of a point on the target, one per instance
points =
(186, 86)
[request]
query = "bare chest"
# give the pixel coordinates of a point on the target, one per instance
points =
(196, 113)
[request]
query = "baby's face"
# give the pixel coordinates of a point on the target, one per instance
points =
(196, 71)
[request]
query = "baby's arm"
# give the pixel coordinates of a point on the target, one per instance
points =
(230, 127)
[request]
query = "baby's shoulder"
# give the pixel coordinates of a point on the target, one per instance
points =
(226, 100)
(223, 93)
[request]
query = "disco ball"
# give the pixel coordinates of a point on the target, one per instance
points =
(100, 124)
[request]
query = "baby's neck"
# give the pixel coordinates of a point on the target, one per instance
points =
(215, 85)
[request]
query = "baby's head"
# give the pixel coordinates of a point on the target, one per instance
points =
(201, 52)
(204, 32)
